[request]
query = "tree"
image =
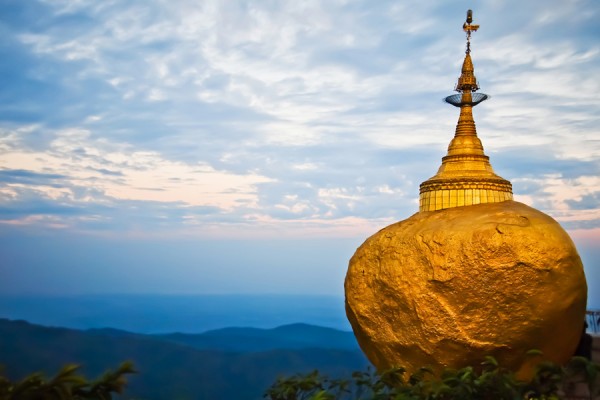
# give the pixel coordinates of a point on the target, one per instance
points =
(67, 384)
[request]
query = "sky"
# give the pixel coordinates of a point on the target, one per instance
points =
(249, 146)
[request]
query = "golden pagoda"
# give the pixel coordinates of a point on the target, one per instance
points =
(472, 274)
(466, 176)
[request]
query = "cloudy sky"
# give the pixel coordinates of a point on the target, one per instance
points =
(252, 145)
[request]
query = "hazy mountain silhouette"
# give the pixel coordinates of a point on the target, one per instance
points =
(228, 363)
(152, 313)
(295, 336)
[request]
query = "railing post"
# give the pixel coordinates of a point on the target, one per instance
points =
(592, 317)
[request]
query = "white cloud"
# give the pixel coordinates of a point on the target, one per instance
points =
(142, 175)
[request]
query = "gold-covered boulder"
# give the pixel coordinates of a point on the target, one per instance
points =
(447, 288)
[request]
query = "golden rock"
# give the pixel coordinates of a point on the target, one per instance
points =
(447, 288)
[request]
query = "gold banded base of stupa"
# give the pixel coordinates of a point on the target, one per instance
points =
(447, 194)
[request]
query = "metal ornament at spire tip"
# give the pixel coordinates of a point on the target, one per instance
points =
(468, 28)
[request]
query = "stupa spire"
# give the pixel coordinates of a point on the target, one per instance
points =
(466, 176)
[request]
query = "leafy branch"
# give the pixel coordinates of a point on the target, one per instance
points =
(67, 384)
(489, 381)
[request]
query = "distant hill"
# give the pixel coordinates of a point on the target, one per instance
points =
(183, 366)
(152, 313)
(295, 336)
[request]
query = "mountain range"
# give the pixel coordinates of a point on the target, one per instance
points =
(231, 363)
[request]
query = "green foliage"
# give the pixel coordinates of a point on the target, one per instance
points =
(488, 381)
(66, 385)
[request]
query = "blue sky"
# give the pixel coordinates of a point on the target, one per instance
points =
(251, 146)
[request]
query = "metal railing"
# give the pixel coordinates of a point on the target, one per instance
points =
(592, 317)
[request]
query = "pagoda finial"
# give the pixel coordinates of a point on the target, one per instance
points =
(468, 28)
(467, 81)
